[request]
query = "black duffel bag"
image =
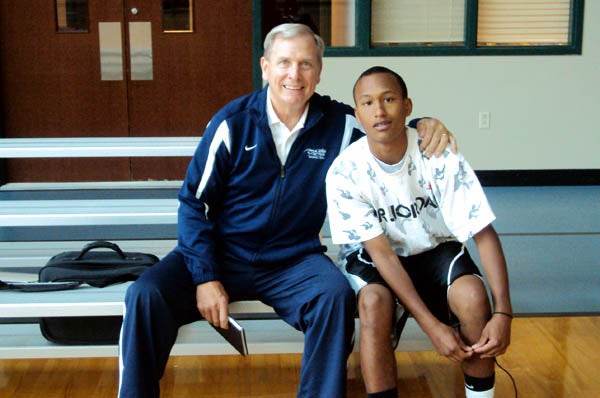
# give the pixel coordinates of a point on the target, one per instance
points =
(97, 268)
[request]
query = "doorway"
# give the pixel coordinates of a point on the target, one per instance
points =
(77, 68)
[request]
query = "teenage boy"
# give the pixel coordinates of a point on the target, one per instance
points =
(403, 220)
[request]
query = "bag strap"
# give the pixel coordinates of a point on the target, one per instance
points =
(101, 244)
(37, 286)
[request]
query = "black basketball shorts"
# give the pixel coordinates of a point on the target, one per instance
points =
(431, 272)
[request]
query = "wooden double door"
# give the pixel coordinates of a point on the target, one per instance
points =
(125, 74)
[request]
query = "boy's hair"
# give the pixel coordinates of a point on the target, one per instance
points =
(290, 30)
(382, 69)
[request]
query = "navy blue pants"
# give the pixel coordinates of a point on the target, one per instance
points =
(309, 294)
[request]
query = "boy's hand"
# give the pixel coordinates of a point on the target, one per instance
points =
(495, 337)
(447, 342)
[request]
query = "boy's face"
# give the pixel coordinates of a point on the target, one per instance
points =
(381, 107)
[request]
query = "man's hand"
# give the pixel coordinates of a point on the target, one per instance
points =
(495, 337)
(213, 303)
(435, 137)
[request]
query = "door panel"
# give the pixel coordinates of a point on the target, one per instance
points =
(195, 74)
(52, 87)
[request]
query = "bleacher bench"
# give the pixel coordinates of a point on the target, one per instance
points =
(40, 220)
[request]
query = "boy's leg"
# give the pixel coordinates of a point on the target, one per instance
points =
(379, 335)
(314, 297)
(156, 305)
(468, 301)
(450, 284)
(377, 360)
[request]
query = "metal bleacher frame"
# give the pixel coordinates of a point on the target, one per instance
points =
(38, 220)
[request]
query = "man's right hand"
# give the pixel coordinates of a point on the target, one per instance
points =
(213, 303)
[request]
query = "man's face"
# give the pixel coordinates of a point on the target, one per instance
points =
(381, 107)
(293, 71)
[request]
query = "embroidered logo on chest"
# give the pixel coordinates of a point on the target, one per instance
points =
(318, 154)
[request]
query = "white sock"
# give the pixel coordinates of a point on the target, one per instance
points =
(479, 394)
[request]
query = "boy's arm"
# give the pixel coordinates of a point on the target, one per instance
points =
(495, 337)
(446, 340)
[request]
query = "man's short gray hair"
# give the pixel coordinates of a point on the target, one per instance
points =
(289, 30)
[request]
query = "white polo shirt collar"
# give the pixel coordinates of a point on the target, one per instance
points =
(283, 137)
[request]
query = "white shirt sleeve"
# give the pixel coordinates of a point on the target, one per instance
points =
(465, 208)
(351, 218)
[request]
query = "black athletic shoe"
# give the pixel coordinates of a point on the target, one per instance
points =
(400, 317)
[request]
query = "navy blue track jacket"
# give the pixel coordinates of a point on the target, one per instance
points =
(239, 203)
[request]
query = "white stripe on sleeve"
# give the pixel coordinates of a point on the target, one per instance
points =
(221, 137)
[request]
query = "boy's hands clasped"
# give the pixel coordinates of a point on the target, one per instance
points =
(447, 342)
(495, 339)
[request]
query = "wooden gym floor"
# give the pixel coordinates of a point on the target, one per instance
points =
(548, 358)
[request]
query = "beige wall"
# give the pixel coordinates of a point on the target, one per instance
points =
(545, 110)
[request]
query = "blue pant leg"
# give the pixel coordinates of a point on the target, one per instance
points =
(156, 305)
(313, 296)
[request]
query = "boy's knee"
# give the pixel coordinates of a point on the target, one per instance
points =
(375, 297)
(375, 303)
(469, 298)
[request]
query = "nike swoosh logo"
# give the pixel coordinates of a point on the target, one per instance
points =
(249, 148)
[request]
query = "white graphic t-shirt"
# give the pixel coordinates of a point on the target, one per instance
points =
(417, 204)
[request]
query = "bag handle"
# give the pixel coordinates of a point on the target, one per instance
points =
(100, 244)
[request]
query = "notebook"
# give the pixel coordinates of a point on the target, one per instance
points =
(235, 335)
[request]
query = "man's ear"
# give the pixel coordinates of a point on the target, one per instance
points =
(263, 67)
(319, 73)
